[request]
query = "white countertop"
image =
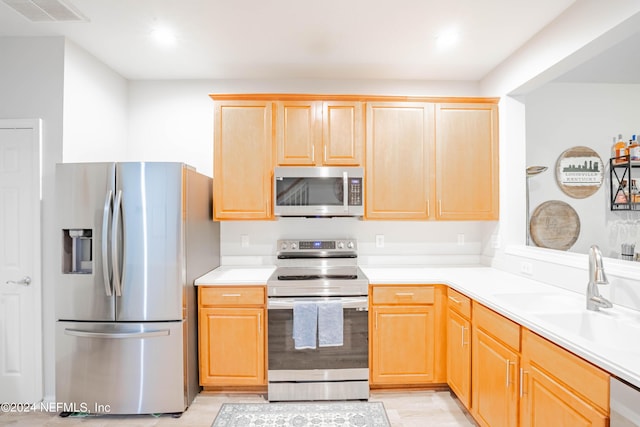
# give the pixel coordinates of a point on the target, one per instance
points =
(507, 294)
(236, 275)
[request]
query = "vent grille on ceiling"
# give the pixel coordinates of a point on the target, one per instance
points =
(47, 10)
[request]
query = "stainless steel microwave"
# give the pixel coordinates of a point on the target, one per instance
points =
(311, 191)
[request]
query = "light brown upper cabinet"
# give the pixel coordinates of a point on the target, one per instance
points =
(426, 158)
(243, 165)
(319, 133)
(399, 166)
(467, 161)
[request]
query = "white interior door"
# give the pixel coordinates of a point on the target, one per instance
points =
(20, 284)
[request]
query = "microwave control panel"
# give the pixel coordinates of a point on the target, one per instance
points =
(355, 191)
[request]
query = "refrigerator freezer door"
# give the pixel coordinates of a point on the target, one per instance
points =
(116, 368)
(151, 272)
(84, 193)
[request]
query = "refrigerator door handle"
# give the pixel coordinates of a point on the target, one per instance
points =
(115, 259)
(106, 273)
(119, 335)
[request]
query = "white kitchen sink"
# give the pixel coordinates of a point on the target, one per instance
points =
(609, 328)
(541, 302)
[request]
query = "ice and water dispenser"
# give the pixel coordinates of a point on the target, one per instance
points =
(77, 251)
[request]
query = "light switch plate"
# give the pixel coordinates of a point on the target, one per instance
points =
(379, 240)
(244, 240)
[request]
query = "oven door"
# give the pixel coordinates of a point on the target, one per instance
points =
(344, 363)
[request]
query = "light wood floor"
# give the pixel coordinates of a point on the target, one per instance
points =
(404, 409)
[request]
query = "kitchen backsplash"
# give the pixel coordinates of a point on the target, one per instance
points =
(405, 242)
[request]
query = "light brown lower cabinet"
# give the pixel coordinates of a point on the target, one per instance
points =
(503, 373)
(406, 328)
(232, 336)
(459, 346)
(521, 379)
(495, 366)
(559, 388)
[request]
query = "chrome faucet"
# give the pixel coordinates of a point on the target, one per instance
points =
(595, 301)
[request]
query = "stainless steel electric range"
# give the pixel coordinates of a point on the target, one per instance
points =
(320, 275)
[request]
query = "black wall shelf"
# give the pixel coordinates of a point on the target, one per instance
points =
(622, 172)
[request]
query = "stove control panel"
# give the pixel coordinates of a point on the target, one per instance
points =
(334, 246)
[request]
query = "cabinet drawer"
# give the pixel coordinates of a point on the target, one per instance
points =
(460, 303)
(403, 295)
(231, 295)
(579, 375)
(496, 326)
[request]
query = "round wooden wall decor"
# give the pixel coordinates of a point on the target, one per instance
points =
(579, 172)
(554, 225)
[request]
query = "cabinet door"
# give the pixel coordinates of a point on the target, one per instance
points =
(242, 159)
(232, 346)
(467, 161)
(342, 133)
(495, 382)
(403, 345)
(399, 166)
(560, 388)
(546, 402)
(298, 131)
(319, 133)
(459, 356)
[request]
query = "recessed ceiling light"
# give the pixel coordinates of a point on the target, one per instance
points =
(164, 36)
(447, 39)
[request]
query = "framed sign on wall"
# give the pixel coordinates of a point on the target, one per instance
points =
(579, 172)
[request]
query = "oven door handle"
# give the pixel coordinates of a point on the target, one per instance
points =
(359, 303)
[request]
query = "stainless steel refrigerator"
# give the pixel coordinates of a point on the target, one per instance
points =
(132, 239)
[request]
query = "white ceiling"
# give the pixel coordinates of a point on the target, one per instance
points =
(286, 39)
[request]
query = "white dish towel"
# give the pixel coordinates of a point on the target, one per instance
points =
(330, 324)
(305, 324)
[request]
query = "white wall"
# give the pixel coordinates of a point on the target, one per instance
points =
(587, 28)
(31, 84)
(405, 242)
(82, 105)
(95, 109)
(582, 31)
(563, 115)
(172, 120)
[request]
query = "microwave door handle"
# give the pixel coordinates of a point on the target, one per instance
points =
(345, 191)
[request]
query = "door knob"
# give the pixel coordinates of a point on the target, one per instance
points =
(26, 280)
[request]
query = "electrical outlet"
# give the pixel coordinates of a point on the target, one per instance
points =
(244, 240)
(379, 240)
(460, 239)
(526, 268)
